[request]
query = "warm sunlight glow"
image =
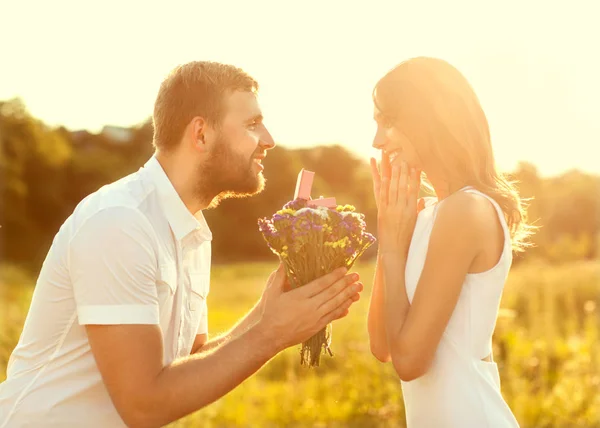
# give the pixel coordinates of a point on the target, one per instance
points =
(533, 66)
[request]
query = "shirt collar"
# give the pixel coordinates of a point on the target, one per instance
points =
(181, 220)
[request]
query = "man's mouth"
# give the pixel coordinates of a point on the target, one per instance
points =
(258, 161)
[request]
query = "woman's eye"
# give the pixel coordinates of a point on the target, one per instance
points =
(385, 123)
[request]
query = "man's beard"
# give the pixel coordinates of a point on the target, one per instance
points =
(226, 174)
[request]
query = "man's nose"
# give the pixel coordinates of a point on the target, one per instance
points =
(265, 138)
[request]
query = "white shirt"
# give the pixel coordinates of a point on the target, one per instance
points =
(131, 253)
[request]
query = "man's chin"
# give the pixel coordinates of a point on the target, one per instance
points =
(242, 192)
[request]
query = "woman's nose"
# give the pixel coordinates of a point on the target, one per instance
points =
(379, 139)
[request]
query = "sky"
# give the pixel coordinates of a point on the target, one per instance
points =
(534, 64)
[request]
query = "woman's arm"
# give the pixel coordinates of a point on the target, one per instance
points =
(376, 318)
(414, 331)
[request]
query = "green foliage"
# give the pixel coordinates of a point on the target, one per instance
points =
(46, 172)
(567, 210)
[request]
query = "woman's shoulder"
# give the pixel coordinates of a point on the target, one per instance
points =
(465, 210)
(468, 202)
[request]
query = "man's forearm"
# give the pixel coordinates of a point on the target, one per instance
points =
(241, 327)
(192, 383)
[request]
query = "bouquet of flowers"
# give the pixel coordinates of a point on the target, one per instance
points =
(313, 238)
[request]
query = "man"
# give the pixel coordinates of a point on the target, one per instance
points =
(117, 330)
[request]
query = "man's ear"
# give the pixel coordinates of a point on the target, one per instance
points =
(197, 133)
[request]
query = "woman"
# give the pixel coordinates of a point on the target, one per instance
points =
(442, 261)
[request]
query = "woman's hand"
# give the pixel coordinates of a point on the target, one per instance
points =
(397, 205)
(378, 174)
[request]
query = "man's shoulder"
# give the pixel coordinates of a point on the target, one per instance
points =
(114, 203)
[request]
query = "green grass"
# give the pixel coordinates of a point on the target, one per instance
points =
(547, 344)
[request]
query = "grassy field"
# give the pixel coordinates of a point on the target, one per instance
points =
(547, 344)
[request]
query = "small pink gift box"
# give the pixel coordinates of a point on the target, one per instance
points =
(323, 202)
(304, 187)
(304, 184)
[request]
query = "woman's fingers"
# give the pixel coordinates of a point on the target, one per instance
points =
(403, 185)
(386, 168)
(393, 192)
(415, 182)
(384, 190)
(385, 174)
(376, 179)
(375, 171)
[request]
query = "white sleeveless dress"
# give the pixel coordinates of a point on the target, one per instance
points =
(460, 390)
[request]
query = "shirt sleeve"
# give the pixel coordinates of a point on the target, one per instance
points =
(113, 268)
(200, 289)
(203, 324)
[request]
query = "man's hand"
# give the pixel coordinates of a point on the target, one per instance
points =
(291, 317)
(260, 307)
(201, 344)
(148, 394)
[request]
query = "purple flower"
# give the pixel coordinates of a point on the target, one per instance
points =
(297, 229)
(368, 237)
(267, 228)
(296, 204)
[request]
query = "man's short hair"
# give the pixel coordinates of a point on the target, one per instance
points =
(194, 89)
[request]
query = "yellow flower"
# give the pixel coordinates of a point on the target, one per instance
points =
(344, 242)
(345, 208)
(341, 243)
(286, 211)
